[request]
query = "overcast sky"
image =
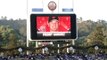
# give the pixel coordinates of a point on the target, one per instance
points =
(88, 9)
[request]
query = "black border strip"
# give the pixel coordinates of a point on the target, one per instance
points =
(73, 34)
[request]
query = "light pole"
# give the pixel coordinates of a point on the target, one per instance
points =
(71, 49)
(20, 50)
(46, 49)
(96, 49)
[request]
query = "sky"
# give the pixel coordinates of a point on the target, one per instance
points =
(87, 9)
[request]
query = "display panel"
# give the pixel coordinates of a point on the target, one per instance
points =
(53, 26)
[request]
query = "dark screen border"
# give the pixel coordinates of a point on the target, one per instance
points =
(33, 25)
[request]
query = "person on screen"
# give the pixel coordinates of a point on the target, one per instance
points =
(53, 24)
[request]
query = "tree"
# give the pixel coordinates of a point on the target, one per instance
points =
(12, 40)
(0, 40)
(97, 36)
(8, 36)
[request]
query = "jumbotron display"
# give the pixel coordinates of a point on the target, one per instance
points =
(53, 26)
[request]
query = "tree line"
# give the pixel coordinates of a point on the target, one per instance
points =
(13, 32)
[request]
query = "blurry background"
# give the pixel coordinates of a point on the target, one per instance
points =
(91, 21)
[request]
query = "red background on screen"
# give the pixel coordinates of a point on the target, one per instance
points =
(64, 23)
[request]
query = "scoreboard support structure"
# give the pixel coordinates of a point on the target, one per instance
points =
(41, 7)
(36, 45)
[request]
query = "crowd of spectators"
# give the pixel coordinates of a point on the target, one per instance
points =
(60, 56)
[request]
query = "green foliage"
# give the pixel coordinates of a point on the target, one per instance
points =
(97, 36)
(90, 31)
(13, 33)
(15, 27)
(12, 40)
(8, 36)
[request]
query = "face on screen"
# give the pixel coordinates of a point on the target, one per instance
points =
(53, 24)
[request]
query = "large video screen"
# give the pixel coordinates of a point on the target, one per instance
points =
(53, 26)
